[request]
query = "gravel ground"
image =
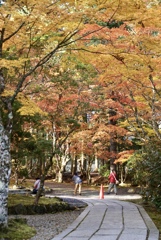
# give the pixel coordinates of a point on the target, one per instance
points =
(50, 225)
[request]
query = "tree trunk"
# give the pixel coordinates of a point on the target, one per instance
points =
(113, 143)
(5, 171)
(60, 176)
(16, 176)
(42, 180)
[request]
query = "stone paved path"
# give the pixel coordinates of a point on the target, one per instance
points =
(110, 219)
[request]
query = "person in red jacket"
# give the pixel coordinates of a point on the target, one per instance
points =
(112, 182)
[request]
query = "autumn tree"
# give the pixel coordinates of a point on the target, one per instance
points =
(33, 37)
(66, 104)
(127, 59)
(24, 143)
(134, 74)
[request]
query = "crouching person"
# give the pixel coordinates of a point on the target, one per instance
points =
(36, 186)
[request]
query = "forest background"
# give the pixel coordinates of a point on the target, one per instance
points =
(80, 83)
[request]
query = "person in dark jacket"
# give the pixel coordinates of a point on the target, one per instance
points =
(112, 182)
(78, 183)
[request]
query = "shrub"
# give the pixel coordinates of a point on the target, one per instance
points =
(104, 171)
(145, 167)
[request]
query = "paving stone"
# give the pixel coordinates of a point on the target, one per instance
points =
(126, 222)
(107, 237)
(101, 219)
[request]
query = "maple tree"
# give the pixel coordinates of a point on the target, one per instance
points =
(66, 104)
(94, 141)
(29, 40)
(139, 89)
(127, 59)
(123, 58)
(35, 36)
(23, 142)
(128, 65)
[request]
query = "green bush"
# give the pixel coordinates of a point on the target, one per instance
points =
(104, 171)
(145, 169)
(23, 172)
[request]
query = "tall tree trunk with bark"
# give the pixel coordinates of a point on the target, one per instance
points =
(5, 157)
(4, 175)
(113, 143)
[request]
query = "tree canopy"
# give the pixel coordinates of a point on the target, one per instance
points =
(89, 69)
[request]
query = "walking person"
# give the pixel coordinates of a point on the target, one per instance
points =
(112, 182)
(78, 183)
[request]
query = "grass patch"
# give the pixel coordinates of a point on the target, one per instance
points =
(17, 227)
(14, 199)
(17, 230)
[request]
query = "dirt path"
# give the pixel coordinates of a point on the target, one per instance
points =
(67, 189)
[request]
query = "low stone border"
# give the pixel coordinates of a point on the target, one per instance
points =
(38, 209)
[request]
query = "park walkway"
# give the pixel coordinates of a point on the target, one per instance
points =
(110, 218)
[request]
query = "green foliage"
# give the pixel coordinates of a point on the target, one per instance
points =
(14, 199)
(112, 24)
(28, 140)
(94, 41)
(145, 167)
(104, 171)
(23, 172)
(17, 229)
(135, 168)
(72, 122)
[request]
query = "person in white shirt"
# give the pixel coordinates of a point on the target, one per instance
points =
(36, 186)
